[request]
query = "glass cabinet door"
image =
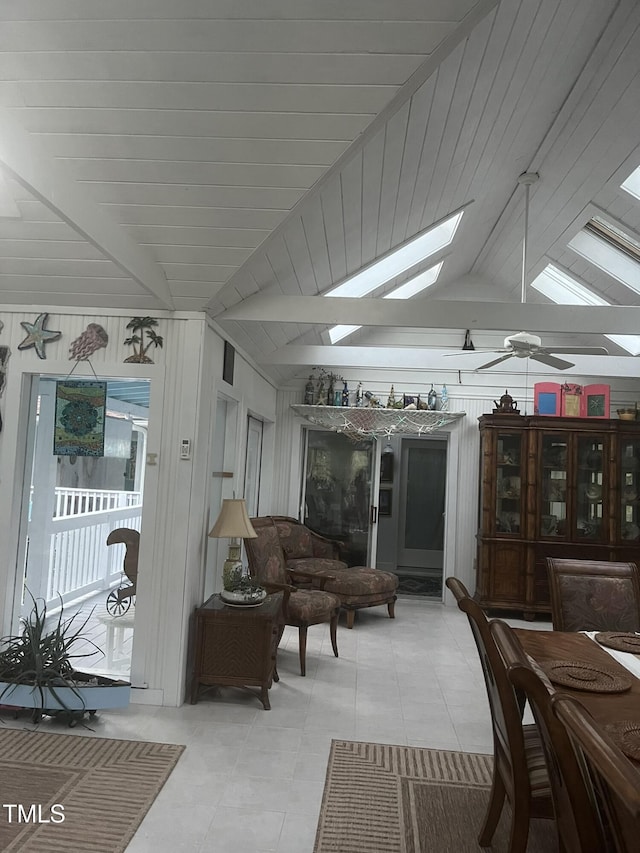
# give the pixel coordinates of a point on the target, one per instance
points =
(629, 488)
(590, 488)
(553, 491)
(508, 483)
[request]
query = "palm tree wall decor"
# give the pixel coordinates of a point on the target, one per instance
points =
(142, 338)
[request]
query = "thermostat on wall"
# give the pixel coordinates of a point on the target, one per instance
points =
(185, 448)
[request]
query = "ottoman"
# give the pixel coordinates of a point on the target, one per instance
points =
(361, 586)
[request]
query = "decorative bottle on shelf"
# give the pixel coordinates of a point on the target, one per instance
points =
(432, 399)
(309, 393)
(391, 399)
(330, 393)
(359, 395)
(345, 393)
(444, 399)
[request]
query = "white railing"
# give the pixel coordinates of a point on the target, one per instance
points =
(80, 561)
(70, 502)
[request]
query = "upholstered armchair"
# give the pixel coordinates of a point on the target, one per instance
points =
(306, 552)
(302, 607)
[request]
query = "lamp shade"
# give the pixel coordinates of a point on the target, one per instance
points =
(233, 521)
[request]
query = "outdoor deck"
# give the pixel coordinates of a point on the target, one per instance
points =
(112, 635)
(69, 560)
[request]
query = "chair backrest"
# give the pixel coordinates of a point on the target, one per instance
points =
(614, 778)
(594, 595)
(577, 815)
(295, 538)
(265, 555)
(507, 707)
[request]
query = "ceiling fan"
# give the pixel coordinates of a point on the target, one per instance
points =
(525, 344)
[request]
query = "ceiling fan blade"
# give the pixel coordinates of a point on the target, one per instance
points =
(576, 350)
(470, 352)
(495, 361)
(551, 360)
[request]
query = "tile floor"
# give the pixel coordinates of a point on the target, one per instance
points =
(251, 781)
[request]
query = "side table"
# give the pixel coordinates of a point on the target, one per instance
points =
(237, 646)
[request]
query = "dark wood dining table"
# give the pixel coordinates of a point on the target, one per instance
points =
(605, 708)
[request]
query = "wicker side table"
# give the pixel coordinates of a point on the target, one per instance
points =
(237, 646)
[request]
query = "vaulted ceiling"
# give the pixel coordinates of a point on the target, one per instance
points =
(242, 158)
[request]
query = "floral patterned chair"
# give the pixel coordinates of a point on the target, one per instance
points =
(307, 553)
(313, 560)
(594, 595)
(302, 607)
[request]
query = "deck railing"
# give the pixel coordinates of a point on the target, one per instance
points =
(80, 562)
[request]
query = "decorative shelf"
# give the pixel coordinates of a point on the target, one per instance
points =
(370, 422)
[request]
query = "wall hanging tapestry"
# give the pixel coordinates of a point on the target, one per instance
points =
(80, 418)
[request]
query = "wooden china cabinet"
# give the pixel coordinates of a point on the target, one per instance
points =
(552, 487)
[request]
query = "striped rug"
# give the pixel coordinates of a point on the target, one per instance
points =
(401, 799)
(101, 787)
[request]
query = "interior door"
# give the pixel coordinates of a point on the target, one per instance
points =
(253, 466)
(422, 504)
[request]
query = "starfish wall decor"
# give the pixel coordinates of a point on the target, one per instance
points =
(37, 335)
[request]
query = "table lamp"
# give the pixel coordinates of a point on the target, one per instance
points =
(234, 523)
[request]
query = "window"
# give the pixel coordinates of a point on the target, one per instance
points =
(563, 289)
(394, 263)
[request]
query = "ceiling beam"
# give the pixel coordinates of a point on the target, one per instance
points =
(437, 314)
(27, 161)
(424, 359)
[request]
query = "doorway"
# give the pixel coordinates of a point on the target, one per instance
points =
(72, 502)
(420, 539)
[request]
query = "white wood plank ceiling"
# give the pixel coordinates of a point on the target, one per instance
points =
(210, 154)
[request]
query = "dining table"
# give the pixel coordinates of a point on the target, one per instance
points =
(607, 709)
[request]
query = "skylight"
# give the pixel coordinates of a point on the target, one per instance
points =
(410, 288)
(393, 264)
(602, 254)
(632, 184)
(563, 289)
(615, 235)
(416, 284)
(399, 260)
(337, 333)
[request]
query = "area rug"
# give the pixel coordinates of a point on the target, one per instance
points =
(101, 788)
(425, 586)
(402, 799)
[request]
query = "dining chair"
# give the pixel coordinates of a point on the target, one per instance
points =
(578, 821)
(616, 781)
(594, 595)
(519, 772)
(301, 607)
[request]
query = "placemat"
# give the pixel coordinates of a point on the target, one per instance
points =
(581, 675)
(622, 641)
(626, 734)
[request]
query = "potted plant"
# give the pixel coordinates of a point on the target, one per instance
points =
(37, 672)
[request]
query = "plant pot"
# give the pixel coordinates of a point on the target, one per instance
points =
(107, 693)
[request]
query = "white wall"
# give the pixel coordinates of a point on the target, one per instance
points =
(187, 370)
